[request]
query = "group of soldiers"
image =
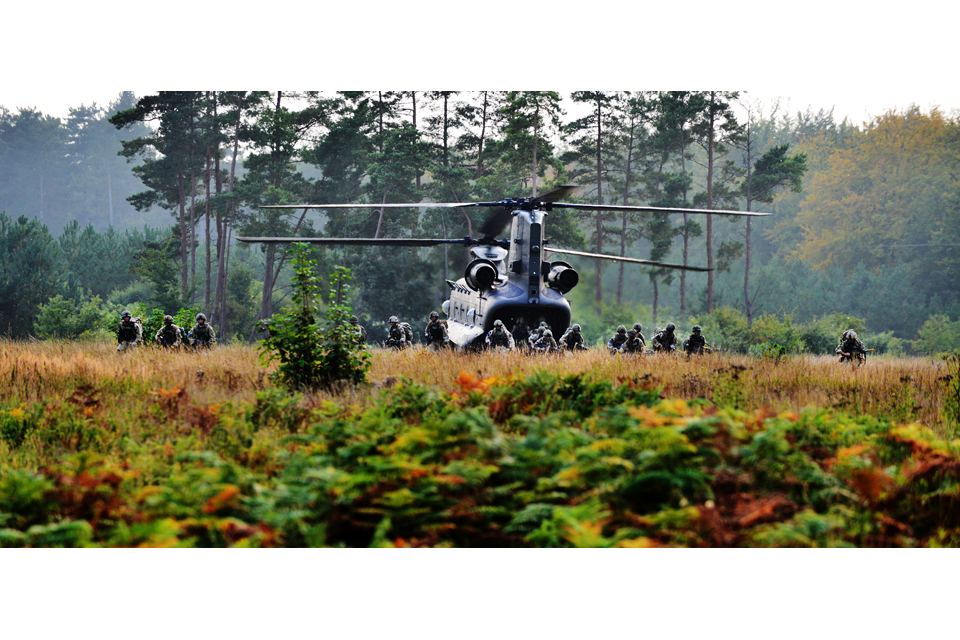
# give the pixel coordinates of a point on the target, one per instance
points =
(169, 336)
(400, 336)
(540, 339)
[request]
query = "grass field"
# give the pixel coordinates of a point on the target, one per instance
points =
(156, 448)
(902, 389)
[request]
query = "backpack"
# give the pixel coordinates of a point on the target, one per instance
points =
(407, 331)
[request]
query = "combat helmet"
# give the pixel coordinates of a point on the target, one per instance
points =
(547, 333)
(621, 329)
(637, 327)
(200, 317)
(434, 314)
(575, 327)
(670, 327)
(393, 319)
(498, 323)
(167, 319)
(354, 319)
(632, 333)
(125, 314)
(697, 329)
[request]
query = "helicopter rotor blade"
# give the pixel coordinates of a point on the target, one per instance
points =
(558, 193)
(373, 242)
(603, 256)
(417, 205)
(614, 207)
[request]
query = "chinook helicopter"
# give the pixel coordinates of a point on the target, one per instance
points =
(507, 278)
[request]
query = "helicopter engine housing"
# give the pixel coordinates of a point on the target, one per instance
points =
(480, 274)
(562, 277)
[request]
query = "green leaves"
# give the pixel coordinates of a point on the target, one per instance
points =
(314, 357)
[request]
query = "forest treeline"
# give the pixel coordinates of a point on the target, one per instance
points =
(140, 201)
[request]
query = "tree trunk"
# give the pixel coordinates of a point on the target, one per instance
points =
(536, 139)
(710, 145)
(599, 263)
(686, 236)
(747, 304)
(228, 218)
(413, 100)
(193, 227)
(182, 196)
(206, 271)
(656, 299)
(483, 133)
(623, 228)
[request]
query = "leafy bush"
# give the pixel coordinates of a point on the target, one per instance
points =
(725, 327)
(311, 356)
(777, 331)
(64, 318)
(937, 335)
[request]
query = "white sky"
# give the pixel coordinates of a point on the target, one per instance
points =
(861, 59)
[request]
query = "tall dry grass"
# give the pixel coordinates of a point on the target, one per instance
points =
(908, 389)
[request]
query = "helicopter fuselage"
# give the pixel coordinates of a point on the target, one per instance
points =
(506, 284)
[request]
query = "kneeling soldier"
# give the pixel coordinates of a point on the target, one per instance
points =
(500, 337)
(170, 336)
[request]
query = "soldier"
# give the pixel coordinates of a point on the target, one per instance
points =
(850, 346)
(546, 342)
(436, 332)
(572, 340)
(536, 334)
(170, 336)
(396, 337)
(633, 344)
(361, 332)
(638, 328)
(499, 337)
(202, 334)
(129, 333)
(664, 340)
(521, 333)
(696, 343)
(618, 339)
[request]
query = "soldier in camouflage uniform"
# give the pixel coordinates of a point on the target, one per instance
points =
(436, 333)
(572, 340)
(546, 342)
(618, 339)
(361, 332)
(633, 344)
(170, 336)
(129, 333)
(850, 346)
(536, 334)
(396, 337)
(521, 332)
(202, 334)
(499, 337)
(665, 340)
(696, 343)
(638, 328)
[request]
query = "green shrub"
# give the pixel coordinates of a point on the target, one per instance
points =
(64, 318)
(311, 356)
(726, 327)
(937, 335)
